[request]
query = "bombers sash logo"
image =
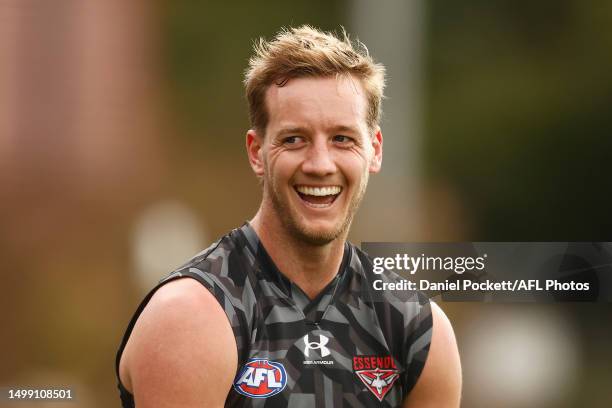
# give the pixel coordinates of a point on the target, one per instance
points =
(377, 373)
(261, 378)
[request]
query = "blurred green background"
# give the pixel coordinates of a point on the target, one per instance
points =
(122, 153)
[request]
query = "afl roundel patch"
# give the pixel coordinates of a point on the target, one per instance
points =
(261, 378)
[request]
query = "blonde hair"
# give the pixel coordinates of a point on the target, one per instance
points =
(307, 52)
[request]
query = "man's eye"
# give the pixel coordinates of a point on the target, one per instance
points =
(292, 140)
(342, 139)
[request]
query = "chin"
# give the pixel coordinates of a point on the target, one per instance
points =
(318, 238)
(312, 229)
(318, 233)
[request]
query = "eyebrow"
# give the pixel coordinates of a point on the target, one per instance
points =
(343, 128)
(292, 129)
(303, 130)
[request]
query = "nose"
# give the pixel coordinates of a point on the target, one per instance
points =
(319, 160)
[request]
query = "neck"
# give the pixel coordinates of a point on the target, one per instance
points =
(311, 267)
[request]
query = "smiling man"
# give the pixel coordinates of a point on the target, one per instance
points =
(281, 311)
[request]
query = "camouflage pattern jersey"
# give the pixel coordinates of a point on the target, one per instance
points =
(351, 346)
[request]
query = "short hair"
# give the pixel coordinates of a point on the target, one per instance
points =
(308, 52)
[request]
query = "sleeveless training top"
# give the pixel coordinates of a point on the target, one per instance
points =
(348, 347)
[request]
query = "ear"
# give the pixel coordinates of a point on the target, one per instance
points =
(254, 145)
(377, 145)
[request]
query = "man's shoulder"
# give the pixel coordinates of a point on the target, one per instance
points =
(172, 311)
(172, 322)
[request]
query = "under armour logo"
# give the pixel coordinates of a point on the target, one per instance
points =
(313, 345)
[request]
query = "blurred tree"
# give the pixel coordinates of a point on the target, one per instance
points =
(518, 118)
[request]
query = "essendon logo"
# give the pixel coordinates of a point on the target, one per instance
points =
(261, 378)
(377, 373)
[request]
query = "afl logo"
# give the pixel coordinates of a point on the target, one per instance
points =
(261, 378)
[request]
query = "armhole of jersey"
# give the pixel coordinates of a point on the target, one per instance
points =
(174, 276)
(418, 343)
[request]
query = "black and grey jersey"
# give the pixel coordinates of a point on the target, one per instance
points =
(348, 347)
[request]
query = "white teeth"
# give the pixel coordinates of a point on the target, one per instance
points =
(319, 191)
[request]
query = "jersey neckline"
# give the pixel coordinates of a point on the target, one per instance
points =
(292, 291)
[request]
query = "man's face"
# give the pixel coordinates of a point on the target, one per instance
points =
(316, 155)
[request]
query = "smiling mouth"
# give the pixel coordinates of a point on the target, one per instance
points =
(318, 197)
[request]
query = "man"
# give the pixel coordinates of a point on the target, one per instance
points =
(281, 311)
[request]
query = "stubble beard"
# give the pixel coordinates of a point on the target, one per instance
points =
(299, 228)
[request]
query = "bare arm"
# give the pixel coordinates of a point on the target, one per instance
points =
(439, 385)
(182, 351)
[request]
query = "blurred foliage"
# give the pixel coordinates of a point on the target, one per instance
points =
(519, 117)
